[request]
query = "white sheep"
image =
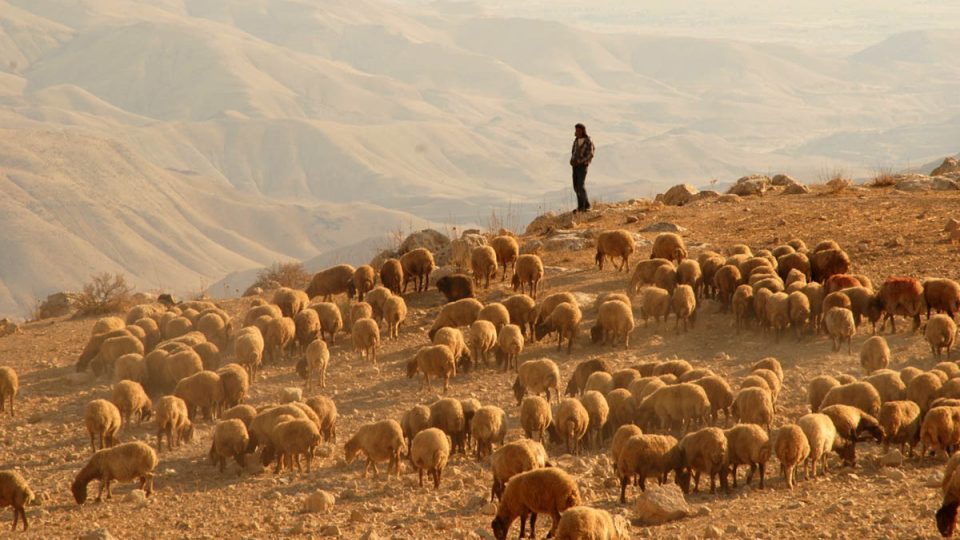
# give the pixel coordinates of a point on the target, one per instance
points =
(172, 420)
(571, 424)
(129, 397)
(565, 320)
(940, 333)
(753, 406)
(683, 303)
(483, 264)
(840, 326)
(429, 451)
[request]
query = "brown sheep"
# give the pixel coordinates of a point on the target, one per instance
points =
(942, 295)
(507, 251)
(839, 282)
(455, 287)
(613, 244)
(483, 264)
(391, 275)
(669, 246)
(364, 278)
(331, 281)
(827, 262)
(417, 266)
(901, 296)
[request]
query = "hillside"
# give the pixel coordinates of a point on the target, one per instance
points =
(885, 232)
(262, 130)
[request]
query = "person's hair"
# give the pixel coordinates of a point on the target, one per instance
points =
(581, 127)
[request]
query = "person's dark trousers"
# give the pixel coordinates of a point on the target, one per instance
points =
(579, 178)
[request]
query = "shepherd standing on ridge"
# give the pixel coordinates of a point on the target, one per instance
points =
(580, 158)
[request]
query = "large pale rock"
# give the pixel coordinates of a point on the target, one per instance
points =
(839, 183)
(949, 165)
(756, 184)
(796, 189)
(319, 501)
(291, 394)
(461, 248)
(56, 305)
(568, 241)
(427, 238)
(660, 504)
(784, 180)
(919, 182)
(97, 534)
(679, 195)
(663, 226)
(532, 247)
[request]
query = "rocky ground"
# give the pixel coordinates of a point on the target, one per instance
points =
(886, 233)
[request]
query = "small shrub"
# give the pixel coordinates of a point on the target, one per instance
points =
(884, 178)
(105, 293)
(288, 274)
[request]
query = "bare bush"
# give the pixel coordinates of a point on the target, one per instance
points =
(105, 293)
(288, 274)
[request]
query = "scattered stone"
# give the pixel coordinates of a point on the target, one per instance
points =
(756, 184)
(783, 180)
(531, 247)
(660, 504)
(320, 501)
(370, 535)
(949, 165)
(897, 241)
(56, 305)
(567, 242)
(953, 224)
(712, 531)
(729, 198)
(663, 226)
(138, 497)
(895, 474)
(839, 183)
(632, 219)
(288, 395)
(706, 194)
(678, 195)
(330, 530)
(796, 189)
(426, 238)
(489, 509)
(97, 534)
(893, 458)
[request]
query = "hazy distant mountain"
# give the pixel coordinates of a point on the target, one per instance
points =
(182, 141)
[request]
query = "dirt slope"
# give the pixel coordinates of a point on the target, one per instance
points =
(885, 232)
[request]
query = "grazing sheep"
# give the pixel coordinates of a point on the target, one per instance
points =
(326, 411)
(488, 426)
(674, 407)
(614, 323)
(210, 325)
(394, 313)
(391, 275)
(582, 373)
(496, 313)
(9, 386)
(510, 460)
(448, 415)
(201, 390)
(535, 417)
(565, 320)
(742, 302)
(748, 444)
(669, 246)
(623, 377)
(376, 299)
(124, 462)
(794, 261)
(230, 440)
(818, 388)
(364, 278)
(172, 420)
(528, 270)
(280, 334)
(535, 377)
(901, 296)
(689, 273)
(291, 439)
(318, 358)
(852, 424)
(248, 348)
(773, 381)
(436, 361)
(858, 394)
(888, 384)
(900, 422)
(114, 348)
(522, 311)
(863, 303)
(942, 295)
(379, 441)
(791, 448)
(483, 338)
(940, 333)
(130, 398)
(483, 264)
(572, 421)
(413, 421)
(455, 287)
(15, 492)
(244, 413)
(799, 311)
(507, 251)
(718, 393)
(947, 514)
(417, 266)
(840, 326)
(643, 456)
(672, 367)
(510, 344)
(360, 310)
(709, 265)
(838, 282)
(821, 436)
(614, 244)
(727, 279)
(623, 409)
(644, 272)
(666, 278)
(654, 302)
(331, 320)
(290, 301)
(684, 306)
(585, 523)
(540, 491)
(704, 451)
(429, 451)
(307, 327)
(753, 406)
(597, 411)
(923, 389)
(366, 339)
(940, 430)
(600, 381)
(235, 383)
(770, 363)
(102, 419)
(460, 313)
(619, 441)
(827, 262)
(335, 280)
(550, 303)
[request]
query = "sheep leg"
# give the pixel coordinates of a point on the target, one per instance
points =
(420, 472)
(735, 476)
(93, 445)
(763, 468)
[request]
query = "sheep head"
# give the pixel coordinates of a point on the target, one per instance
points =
(947, 518)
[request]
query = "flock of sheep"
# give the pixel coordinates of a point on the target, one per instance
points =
(654, 418)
